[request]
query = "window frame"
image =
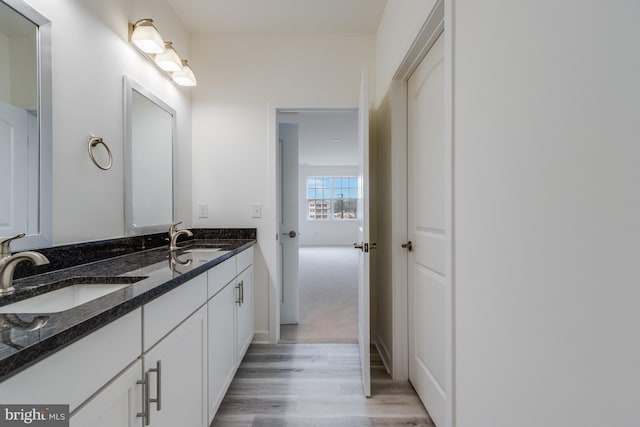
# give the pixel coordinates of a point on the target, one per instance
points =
(332, 199)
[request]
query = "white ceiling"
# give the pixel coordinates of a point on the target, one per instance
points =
(326, 138)
(279, 16)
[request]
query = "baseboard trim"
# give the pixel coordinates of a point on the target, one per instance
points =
(384, 352)
(261, 337)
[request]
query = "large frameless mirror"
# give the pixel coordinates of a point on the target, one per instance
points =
(149, 152)
(25, 125)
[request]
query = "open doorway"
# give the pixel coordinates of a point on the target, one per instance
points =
(319, 162)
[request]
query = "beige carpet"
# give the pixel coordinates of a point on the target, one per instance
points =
(328, 296)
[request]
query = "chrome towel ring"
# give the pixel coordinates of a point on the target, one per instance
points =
(93, 142)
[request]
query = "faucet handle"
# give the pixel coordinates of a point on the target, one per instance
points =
(174, 227)
(5, 248)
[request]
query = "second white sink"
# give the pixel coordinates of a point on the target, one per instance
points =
(62, 299)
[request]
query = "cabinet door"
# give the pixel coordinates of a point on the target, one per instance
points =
(222, 344)
(245, 313)
(117, 405)
(182, 389)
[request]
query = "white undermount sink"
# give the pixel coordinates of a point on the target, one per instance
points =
(62, 299)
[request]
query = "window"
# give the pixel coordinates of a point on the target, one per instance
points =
(332, 198)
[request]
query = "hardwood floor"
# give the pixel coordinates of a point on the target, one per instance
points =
(315, 385)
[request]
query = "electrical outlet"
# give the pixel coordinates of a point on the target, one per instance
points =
(203, 210)
(256, 210)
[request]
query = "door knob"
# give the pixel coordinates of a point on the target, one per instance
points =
(291, 234)
(408, 245)
(364, 247)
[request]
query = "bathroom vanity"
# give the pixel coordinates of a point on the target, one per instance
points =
(160, 350)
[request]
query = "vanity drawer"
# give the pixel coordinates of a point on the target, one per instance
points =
(220, 275)
(163, 314)
(245, 259)
(73, 374)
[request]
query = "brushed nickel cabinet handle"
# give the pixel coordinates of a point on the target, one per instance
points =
(145, 399)
(238, 298)
(242, 292)
(158, 399)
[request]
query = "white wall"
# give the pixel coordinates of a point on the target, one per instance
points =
(546, 207)
(381, 202)
(547, 212)
(241, 80)
(400, 23)
(90, 56)
(399, 27)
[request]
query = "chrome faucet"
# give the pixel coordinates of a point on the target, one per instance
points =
(8, 263)
(174, 233)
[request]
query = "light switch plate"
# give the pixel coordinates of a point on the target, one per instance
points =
(256, 210)
(203, 210)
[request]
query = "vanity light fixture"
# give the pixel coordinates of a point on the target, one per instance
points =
(145, 36)
(184, 77)
(169, 59)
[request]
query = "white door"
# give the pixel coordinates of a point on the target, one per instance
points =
(363, 243)
(428, 313)
(288, 148)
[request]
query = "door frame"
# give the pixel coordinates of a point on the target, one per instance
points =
(439, 19)
(275, 282)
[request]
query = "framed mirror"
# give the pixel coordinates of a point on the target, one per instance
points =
(150, 131)
(25, 125)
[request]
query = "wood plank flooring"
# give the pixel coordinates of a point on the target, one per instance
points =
(315, 385)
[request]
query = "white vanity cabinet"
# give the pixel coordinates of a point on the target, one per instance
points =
(117, 405)
(73, 374)
(230, 322)
(167, 385)
(167, 363)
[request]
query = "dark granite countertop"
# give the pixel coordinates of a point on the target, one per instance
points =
(148, 273)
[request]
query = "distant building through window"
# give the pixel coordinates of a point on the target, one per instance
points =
(332, 197)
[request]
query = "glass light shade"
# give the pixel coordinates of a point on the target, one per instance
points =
(184, 77)
(146, 37)
(169, 59)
